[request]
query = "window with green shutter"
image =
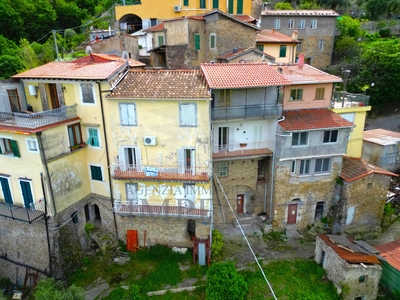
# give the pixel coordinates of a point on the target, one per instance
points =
(260, 47)
(215, 4)
(239, 7)
(9, 147)
(197, 41)
(230, 7)
(93, 137)
(96, 174)
(212, 41)
(202, 3)
(185, 2)
(160, 40)
(282, 51)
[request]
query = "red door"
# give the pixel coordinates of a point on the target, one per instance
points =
(239, 204)
(292, 213)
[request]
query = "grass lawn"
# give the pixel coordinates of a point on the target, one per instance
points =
(160, 268)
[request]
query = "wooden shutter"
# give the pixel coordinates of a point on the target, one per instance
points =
(6, 190)
(181, 159)
(193, 161)
(138, 154)
(60, 94)
(230, 7)
(215, 139)
(121, 159)
(131, 110)
(215, 4)
(15, 149)
(43, 96)
(239, 7)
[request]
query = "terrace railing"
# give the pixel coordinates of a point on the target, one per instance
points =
(246, 111)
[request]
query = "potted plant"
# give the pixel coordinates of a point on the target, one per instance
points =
(74, 147)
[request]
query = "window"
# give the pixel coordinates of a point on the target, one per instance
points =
(302, 24)
(321, 44)
(212, 41)
(299, 138)
(87, 93)
(5, 188)
(93, 140)
(296, 94)
(299, 45)
(185, 2)
(9, 147)
(202, 3)
(362, 278)
(187, 161)
(319, 210)
(277, 24)
(188, 114)
(26, 191)
(262, 169)
(322, 165)
(32, 145)
(223, 138)
(160, 40)
(131, 193)
(282, 51)
(230, 7)
(215, 4)
(223, 169)
(130, 158)
(260, 47)
(239, 7)
(74, 217)
(319, 93)
(293, 167)
(304, 167)
(96, 173)
(313, 24)
(330, 136)
(291, 24)
(153, 22)
(128, 114)
(74, 134)
(197, 41)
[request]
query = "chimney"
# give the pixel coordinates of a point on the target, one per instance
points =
(300, 62)
(294, 34)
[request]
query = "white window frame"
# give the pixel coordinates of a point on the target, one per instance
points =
(302, 167)
(330, 137)
(290, 23)
(3, 148)
(321, 171)
(20, 189)
(277, 23)
(183, 122)
(98, 137)
(215, 41)
(302, 24)
(293, 167)
(93, 94)
(223, 171)
(102, 172)
(313, 24)
(321, 44)
(122, 104)
(30, 141)
(9, 185)
(123, 157)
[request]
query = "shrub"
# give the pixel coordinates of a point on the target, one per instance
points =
(217, 242)
(51, 289)
(89, 228)
(223, 282)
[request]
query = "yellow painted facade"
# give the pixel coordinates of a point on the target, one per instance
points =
(274, 50)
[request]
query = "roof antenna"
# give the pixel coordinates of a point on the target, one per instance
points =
(89, 51)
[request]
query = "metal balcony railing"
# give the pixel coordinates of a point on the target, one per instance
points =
(38, 119)
(127, 171)
(347, 100)
(246, 111)
(35, 212)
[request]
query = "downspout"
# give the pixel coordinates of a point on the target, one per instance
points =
(107, 157)
(46, 225)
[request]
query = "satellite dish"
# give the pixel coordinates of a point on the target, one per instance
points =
(89, 50)
(125, 54)
(91, 28)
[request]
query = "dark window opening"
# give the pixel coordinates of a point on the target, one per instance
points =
(75, 218)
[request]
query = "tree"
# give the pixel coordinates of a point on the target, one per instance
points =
(376, 8)
(11, 23)
(223, 282)
(10, 61)
(28, 56)
(283, 6)
(51, 289)
(333, 4)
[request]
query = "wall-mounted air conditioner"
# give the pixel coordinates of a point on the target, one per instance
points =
(150, 140)
(177, 8)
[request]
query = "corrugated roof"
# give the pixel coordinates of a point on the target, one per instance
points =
(162, 84)
(382, 137)
(273, 36)
(242, 75)
(391, 252)
(305, 74)
(356, 168)
(320, 12)
(311, 119)
(357, 256)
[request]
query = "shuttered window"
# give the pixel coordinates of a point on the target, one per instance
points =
(260, 47)
(282, 51)
(215, 4)
(239, 7)
(230, 7)
(96, 173)
(212, 41)
(128, 114)
(202, 3)
(93, 137)
(87, 93)
(74, 134)
(9, 147)
(5, 188)
(197, 41)
(223, 169)
(188, 114)
(160, 40)
(185, 2)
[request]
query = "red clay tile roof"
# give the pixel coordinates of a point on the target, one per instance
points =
(311, 119)
(246, 18)
(356, 168)
(391, 252)
(305, 74)
(356, 257)
(382, 137)
(241, 51)
(155, 28)
(97, 57)
(199, 18)
(247, 75)
(273, 36)
(232, 17)
(162, 84)
(83, 69)
(321, 12)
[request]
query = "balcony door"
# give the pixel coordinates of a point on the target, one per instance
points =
(187, 161)
(14, 100)
(55, 92)
(5, 188)
(130, 158)
(27, 195)
(223, 139)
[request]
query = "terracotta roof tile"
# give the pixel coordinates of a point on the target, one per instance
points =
(246, 75)
(246, 18)
(356, 168)
(97, 57)
(232, 17)
(382, 137)
(162, 84)
(305, 74)
(155, 28)
(391, 252)
(321, 12)
(273, 36)
(311, 119)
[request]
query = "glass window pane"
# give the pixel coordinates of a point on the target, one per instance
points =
(303, 138)
(325, 166)
(334, 136)
(295, 139)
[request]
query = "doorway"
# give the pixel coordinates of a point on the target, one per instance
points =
(240, 203)
(55, 103)
(292, 213)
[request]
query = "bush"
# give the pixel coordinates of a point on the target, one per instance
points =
(89, 228)
(51, 289)
(223, 282)
(217, 242)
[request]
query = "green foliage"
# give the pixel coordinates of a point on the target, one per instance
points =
(223, 281)
(122, 294)
(283, 6)
(217, 242)
(389, 215)
(29, 58)
(327, 221)
(333, 4)
(349, 27)
(89, 229)
(274, 236)
(345, 290)
(384, 32)
(51, 289)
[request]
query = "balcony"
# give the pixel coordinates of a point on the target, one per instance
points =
(29, 215)
(246, 111)
(38, 119)
(243, 150)
(347, 100)
(128, 208)
(125, 171)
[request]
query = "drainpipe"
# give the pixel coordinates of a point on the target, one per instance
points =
(107, 157)
(46, 225)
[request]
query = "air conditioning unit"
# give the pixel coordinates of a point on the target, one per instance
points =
(177, 8)
(150, 140)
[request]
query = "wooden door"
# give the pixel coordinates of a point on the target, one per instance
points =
(240, 203)
(292, 213)
(54, 96)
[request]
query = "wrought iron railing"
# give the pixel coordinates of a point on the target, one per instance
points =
(34, 212)
(246, 111)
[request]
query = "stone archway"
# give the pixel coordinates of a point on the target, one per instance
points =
(131, 23)
(246, 194)
(293, 211)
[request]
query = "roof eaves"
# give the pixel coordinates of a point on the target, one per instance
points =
(232, 18)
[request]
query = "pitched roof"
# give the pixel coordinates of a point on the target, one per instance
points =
(232, 17)
(162, 84)
(391, 252)
(305, 74)
(312, 119)
(246, 18)
(359, 254)
(246, 75)
(382, 137)
(97, 57)
(320, 12)
(273, 36)
(356, 168)
(242, 51)
(155, 28)
(85, 68)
